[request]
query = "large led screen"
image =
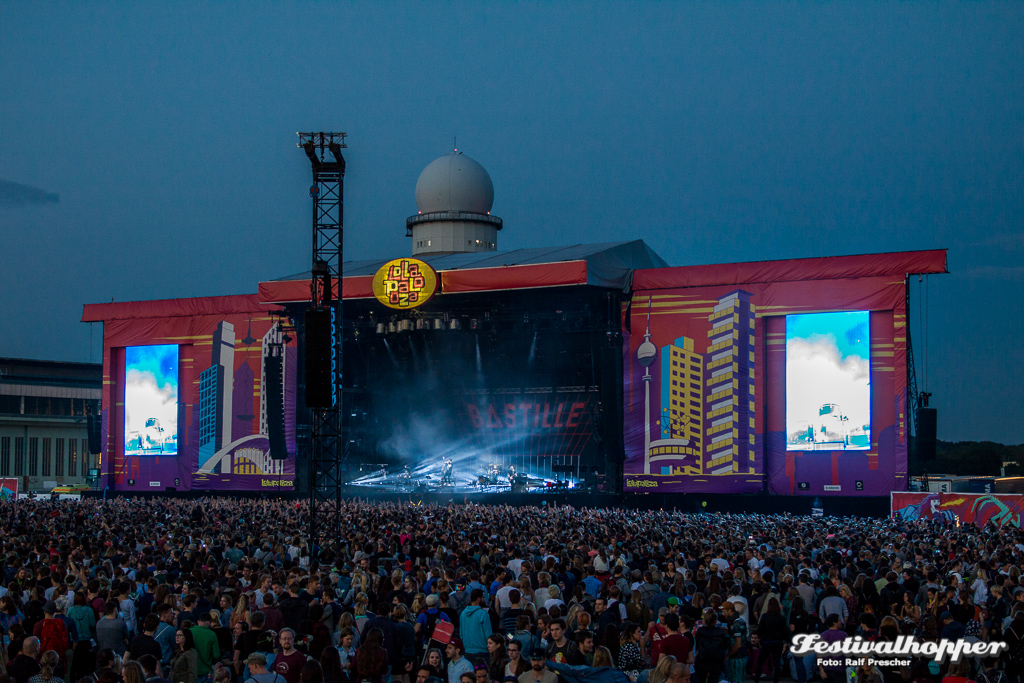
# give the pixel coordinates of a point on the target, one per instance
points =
(151, 400)
(828, 390)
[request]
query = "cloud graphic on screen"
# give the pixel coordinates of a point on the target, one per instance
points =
(144, 399)
(824, 347)
(817, 374)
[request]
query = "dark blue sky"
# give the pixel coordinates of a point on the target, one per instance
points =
(714, 131)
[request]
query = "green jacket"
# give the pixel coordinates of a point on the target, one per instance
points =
(207, 649)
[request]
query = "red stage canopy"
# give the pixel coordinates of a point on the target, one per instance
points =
(827, 268)
(173, 308)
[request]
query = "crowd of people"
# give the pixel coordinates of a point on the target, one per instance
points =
(227, 590)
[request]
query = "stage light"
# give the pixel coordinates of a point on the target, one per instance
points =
(438, 323)
(405, 325)
(474, 324)
(392, 328)
(422, 324)
(381, 328)
(455, 324)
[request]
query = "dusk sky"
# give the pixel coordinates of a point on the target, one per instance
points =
(716, 132)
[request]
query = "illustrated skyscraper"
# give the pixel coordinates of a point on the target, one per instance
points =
(682, 396)
(729, 394)
(707, 399)
(216, 387)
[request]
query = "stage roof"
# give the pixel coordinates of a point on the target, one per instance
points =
(609, 264)
(900, 263)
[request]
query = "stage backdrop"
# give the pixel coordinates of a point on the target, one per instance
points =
(787, 375)
(958, 508)
(184, 404)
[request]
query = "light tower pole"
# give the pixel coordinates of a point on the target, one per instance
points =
(326, 450)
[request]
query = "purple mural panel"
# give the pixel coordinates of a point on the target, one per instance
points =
(223, 440)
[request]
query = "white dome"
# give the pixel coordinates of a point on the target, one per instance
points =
(454, 183)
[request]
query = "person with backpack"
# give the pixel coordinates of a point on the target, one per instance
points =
(712, 648)
(52, 633)
(992, 673)
(427, 620)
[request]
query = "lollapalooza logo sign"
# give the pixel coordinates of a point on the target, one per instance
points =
(889, 653)
(404, 283)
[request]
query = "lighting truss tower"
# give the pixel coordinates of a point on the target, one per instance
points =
(326, 451)
(912, 393)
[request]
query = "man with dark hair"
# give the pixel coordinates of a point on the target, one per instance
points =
(207, 646)
(149, 666)
(145, 643)
(833, 633)
(425, 673)
(274, 620)
(457, 664)
(165, 632)
(475, 626)
(538, 673)
(560, 648)
(592, 584)
(247, 642)
(605, 616)
(674, 643)
(111, 631)
(293, 609)
(584, 653)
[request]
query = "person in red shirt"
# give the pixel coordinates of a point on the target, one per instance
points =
(676, 643)
(289, 661)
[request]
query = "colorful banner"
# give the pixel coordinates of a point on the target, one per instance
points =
(705, 393)
(692, 372)
(958, 508)
(8, 489)
(222, 415)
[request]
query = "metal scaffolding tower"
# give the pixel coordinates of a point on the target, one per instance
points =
(326, 451)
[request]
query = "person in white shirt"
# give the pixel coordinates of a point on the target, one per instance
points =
(554, 598)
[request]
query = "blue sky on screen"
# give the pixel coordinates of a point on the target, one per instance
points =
(849, 330)
(159, 361)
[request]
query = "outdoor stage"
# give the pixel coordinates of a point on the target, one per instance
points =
(533, 374)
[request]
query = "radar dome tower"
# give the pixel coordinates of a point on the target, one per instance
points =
(454, 195)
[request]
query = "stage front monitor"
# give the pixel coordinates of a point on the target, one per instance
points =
(151, 400)
(828, 389)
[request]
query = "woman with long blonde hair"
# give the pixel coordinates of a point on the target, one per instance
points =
(359, 612)
(661, 671)
(240, 614)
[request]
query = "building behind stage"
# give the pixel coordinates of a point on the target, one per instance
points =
(44, 407)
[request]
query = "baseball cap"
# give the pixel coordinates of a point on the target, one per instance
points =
(944, 616)
(674, 601)
(537, 653)
(431, 600)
